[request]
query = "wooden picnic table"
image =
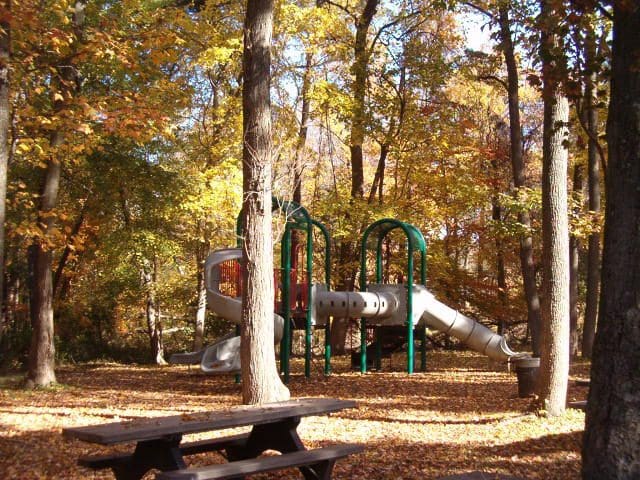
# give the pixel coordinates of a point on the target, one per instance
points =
(158, 439)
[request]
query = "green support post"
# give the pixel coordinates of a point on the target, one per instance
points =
(410, 345)
(327, 348)
(363, 345)
(327, 280)
(285, 343)
(307, 323)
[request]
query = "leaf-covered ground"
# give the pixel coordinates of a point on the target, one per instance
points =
(461, 415)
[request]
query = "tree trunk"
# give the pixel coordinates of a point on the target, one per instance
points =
(377, 186)
(554, 361)
(152, 310)
(593, 258)
(41, 371)
(358, 120)
(612, 432)
(574, 260)
(260, 380)
(42, 353)
(202, 251)
(527, 264)
(5, 126)
(302, 133)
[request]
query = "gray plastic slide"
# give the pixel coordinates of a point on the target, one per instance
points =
(439, 316)
(222, 356)
(387, 305)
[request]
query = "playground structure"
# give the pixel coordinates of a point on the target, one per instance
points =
(302, 304)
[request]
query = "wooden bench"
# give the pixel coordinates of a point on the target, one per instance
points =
(99, 462)
(317, 462)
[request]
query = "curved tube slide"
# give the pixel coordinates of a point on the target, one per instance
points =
(439, 316)
(223, 356)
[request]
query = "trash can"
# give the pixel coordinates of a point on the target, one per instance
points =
(527, 372)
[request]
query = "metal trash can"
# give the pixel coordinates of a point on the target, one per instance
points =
(527, 372)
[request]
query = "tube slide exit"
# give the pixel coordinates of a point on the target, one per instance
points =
(439, 316)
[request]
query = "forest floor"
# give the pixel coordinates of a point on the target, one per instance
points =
(460, 416)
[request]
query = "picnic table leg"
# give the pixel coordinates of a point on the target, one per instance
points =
(281, 436)
(163, 454)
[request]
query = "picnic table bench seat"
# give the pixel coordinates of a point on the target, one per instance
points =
(98, 462)
(318, 462)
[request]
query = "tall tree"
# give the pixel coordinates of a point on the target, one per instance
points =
(501, 16)
(554, 363)
(612, 432)
(65, 81)
(5, 126)
(360, 69)
(574, 262)
(593, 259)
(518, 165)
(260, 380)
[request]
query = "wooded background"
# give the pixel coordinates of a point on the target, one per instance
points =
(123, 128)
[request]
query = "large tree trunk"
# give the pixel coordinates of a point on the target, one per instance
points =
(41, 371)
(42, 351)
(5, 125)
(527, 264)
(612, 433)
(260, 380)
(574, 263)
(593, 258)
(554, 362)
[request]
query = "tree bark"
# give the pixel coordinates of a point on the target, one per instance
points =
(202, 250)
(593, 257)
(152, 310)
(5, 126)
(527, 263)
(260, 380)
(302, 132)
(41, 371)
(574, 263)
(358, 120)
(612, 432)
(554, 361)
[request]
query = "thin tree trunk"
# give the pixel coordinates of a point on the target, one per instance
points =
(5, 127)
(201, 291)
(554, 361)
(378, 180)
(260, 380)
(574, 260)
(527, 264)
(64, 258)
(302, 133)
(154, 323)
(612, 430)
(593, 258)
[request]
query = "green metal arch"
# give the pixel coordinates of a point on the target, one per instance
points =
(415, 241)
